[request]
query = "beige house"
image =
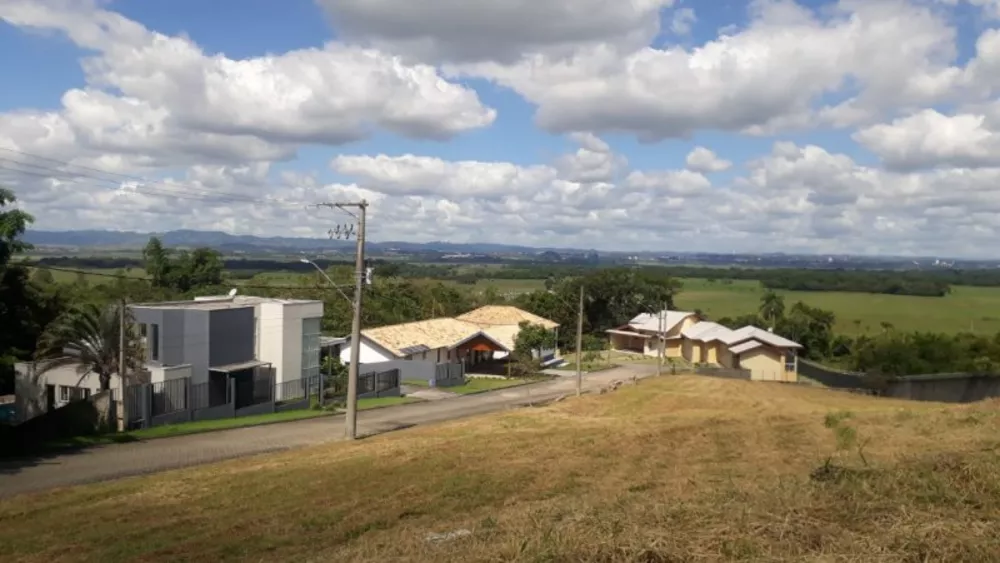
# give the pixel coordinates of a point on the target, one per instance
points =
(767, 356)
(472, 338)
(639, 335)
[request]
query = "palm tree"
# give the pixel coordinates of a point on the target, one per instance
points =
(88, 337)
(772, 307)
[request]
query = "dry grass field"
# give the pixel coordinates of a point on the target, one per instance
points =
(680, 468)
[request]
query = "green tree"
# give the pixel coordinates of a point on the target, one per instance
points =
(88, 337)
(17, 299)
(772, 308)
(156, 261)
(533, 338)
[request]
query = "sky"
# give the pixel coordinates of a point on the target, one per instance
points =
(851, 126)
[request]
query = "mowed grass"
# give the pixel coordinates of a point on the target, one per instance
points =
(975, 309)
(680, 468)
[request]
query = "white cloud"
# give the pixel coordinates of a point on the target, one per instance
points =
(163, 96)
(473, 30)
(929, 139)
(705, 161)
(682, 21)
(207, 131)
(769, 76)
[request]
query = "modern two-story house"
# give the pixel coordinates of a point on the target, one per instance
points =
(209, 340)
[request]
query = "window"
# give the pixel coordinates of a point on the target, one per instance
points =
(790, 360)
(310, 347)
(64, 393)
(155, 344)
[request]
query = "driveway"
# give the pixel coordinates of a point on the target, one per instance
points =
(113, 461)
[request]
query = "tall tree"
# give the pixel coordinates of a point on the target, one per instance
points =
(88, 338)
(156, 261)
(772, 308)
(13, 223)
(17, 299)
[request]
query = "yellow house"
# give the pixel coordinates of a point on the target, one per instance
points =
(640, 334)
(767, 356)
(704, 343)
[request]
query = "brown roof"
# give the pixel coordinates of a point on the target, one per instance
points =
(504, 315)
(435, 333)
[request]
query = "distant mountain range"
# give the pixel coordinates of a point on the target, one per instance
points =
(249, 243)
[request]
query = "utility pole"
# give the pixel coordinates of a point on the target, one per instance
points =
(351, 419)
(660, 343)
(579, 346)
(121, 363)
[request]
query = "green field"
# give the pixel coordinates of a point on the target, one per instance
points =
(975, 309)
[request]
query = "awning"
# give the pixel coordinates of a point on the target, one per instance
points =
(240, 366)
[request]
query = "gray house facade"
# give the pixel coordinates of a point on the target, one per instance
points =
(207, 336)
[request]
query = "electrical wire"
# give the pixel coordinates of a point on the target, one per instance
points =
(172, 189)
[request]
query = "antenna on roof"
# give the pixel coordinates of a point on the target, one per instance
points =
(232, 293)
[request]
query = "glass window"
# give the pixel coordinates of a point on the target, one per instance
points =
(790, 361)
(310, 347)
(155, 344)
(64, 393)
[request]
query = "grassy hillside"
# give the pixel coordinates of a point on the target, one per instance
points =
(677, 469)
(966, 308)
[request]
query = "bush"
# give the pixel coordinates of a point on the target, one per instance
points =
(594, 343)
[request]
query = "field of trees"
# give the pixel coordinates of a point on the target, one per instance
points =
(964, 309)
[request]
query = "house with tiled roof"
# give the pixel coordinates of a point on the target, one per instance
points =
(762, 354)
(469, 339)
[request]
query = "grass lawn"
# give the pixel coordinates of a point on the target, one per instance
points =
(194, 427)
(417, 382)
(601, 361)
(975, 308)
(675, 469)
(379, 402)
(480, 384)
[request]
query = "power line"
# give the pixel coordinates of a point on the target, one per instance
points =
(150, 280)
(173, 189)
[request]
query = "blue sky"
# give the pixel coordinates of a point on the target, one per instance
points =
(748, 88)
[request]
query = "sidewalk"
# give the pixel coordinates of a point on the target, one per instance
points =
(114, 461)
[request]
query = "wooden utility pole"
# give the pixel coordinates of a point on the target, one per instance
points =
(351, 418)
(121, 364)
(659, 343)
(579, 346)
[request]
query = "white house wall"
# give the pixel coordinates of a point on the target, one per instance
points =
(29, 387)
(369, 353)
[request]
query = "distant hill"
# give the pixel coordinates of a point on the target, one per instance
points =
(248, 243)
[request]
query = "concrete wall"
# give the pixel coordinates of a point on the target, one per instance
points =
(830, 377)
(30, 387)
(408, 369)
(195, 339)
(947, 388)
(230, 336)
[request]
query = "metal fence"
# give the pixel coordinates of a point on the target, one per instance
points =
(169, 396)
(378, 383)
(295, 390)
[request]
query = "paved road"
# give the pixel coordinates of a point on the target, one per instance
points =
(122, 460)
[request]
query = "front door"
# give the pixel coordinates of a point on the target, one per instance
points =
(50, 397)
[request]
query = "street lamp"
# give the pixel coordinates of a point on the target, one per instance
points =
(320, 270)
